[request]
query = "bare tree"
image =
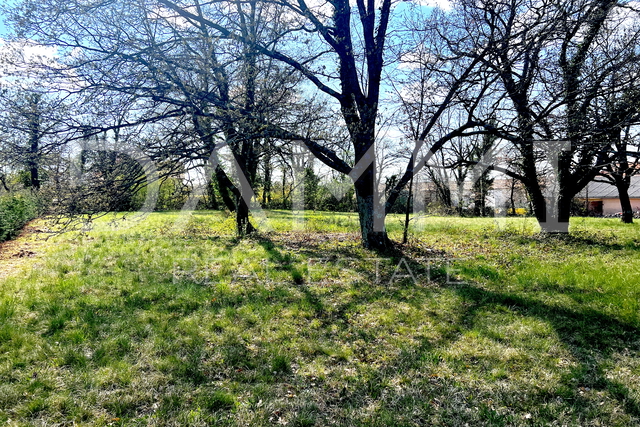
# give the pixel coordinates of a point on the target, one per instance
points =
(547, 59)
(33, 132)
(357, 44)
(172, 76)
(624, 163)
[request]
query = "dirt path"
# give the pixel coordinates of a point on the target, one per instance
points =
(13, 252)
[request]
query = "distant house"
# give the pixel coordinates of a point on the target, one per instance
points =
(601, 198)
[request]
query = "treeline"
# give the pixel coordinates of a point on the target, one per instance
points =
(312, 192)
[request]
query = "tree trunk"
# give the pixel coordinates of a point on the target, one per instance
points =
(243, 225)
(226, 188)
(622, 185)
(552, 215)
(242, 208)
(552, 219)
(213, 199)
(34, 145)
(266, 189)
(4, 183)
(564, 213)
(35, 178)
(622, 175)
(406, 213)
(479, 197)
(511, 196)
(371, 214)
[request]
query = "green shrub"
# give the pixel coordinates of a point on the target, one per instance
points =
(15, 211)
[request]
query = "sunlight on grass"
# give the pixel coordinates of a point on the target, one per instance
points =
(152, 324)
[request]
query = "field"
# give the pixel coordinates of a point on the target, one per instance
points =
(474, 322)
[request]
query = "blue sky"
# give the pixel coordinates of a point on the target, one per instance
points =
(3, 29)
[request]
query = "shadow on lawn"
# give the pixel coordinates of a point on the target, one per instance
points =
(591, 337)
(584, 239)
(370, 294)
(377, 394)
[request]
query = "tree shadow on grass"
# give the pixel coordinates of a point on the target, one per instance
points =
(387, 389)
(371, 286)
(592, 338)
(581, 239)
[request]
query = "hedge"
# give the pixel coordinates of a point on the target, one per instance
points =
(15, 211)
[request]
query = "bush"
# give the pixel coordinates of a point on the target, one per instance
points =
(15, 211)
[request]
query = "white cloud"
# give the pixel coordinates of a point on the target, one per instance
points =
(26, 58)
(627, 17)
(25, 63)
(415, 59)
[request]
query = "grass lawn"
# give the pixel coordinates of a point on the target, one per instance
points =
(476, 322)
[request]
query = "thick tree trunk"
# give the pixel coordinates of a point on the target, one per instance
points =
(625, 202)
(538, 203)
(553, 214)
(511, 196)
(35, 178)
(243, 225)
(242, 208)
(4, 183)
(237, 204)
(552, 219)
(621, 175)
(563, 213)
(476, 205)
(226, 188)
(479, 198)
(34, 130)
(371, 214)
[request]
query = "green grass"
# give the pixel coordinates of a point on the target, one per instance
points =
(149, 324)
